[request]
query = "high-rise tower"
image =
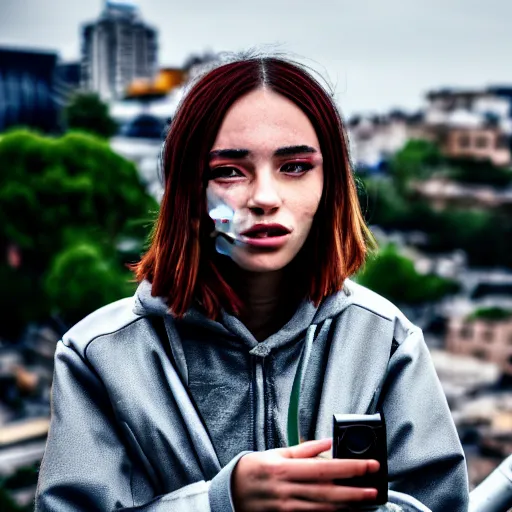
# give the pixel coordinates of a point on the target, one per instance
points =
(116, 49)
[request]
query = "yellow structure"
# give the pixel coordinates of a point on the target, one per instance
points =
(166, 80)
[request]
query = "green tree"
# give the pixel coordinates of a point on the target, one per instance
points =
(86, 112)
(82, 278)
(7, 504)
(483, 235)
(393, 276)
(54, 193)
(23, 477)
(491, 314)
(382, 203)
(476, 172)
(416, 160)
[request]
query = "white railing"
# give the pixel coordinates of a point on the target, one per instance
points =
(494, 494)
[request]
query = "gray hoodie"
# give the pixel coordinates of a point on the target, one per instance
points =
(152, 414)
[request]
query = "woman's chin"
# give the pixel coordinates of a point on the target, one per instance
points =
(267, 262)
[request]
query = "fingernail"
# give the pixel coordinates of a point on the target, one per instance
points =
(370, 494)
(373, 466)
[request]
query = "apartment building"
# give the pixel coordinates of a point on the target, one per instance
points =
(473, 124)
(117, 49)
(484, 339)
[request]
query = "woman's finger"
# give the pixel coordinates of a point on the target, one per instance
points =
(293, 505)
(326, 493)
(307, 470)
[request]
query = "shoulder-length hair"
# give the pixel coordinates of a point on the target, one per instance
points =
(181, 263)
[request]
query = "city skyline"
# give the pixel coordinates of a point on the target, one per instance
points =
(378, 56)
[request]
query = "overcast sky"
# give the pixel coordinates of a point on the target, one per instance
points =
(381, 53)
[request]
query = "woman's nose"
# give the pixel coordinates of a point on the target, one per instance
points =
(265, 196)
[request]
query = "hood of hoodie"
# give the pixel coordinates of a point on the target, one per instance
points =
(307, 314)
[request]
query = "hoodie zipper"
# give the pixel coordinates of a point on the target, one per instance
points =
(260, 405)
(269, 407)
(259, 353)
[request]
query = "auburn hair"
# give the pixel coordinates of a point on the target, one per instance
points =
(181, 263)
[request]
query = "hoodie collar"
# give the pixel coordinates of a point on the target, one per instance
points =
(305, 315)
(147, 304)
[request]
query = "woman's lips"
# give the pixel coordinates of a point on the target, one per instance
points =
(266, 235)
(265, 230)
(270, 241)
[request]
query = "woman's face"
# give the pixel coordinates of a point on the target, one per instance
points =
(266, 165)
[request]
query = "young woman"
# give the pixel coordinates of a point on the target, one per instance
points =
(246, 335)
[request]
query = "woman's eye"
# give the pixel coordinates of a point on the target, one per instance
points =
(296, 167)
(224, 172)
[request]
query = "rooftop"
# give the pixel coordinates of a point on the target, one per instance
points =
(122, 4)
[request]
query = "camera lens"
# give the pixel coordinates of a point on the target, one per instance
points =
(358, 439)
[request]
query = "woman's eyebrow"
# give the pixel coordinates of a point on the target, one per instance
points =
(229, 153)
(238, 154)
(294, 150)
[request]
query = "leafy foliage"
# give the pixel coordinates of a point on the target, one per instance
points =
(86, 112)
(420, 159)
(7, 504)
(55, 194)
(483, 234)
(416, 160)
(83, 278)
(474, 172)
(393, 276)
(492, 314)
(23, 477)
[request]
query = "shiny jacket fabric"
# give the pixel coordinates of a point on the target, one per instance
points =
(152, 414)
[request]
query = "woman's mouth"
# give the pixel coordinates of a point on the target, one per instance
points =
(266, 235)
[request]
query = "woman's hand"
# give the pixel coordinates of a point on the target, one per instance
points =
(292, 479)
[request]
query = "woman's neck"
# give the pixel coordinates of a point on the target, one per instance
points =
(268, 299)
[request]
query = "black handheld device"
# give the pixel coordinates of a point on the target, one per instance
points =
(361, 436)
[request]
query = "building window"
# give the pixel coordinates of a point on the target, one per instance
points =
(502, 142)
(488, 335)
(481, 142)
(464, 141)
(466, 332)
(479, 354)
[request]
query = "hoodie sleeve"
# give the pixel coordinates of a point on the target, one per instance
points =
(425, 457)
(86, 466)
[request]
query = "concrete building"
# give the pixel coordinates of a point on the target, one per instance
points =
(465, 124)
(484, 339)
(473, 124)
(480, 143)
(373, 140)
(480, 289)
(443, 193)
(28, 96)
(444, 106)
(462, 375)
(117, 49)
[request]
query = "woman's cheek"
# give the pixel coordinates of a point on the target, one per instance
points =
(232, 195)
(306, 208)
